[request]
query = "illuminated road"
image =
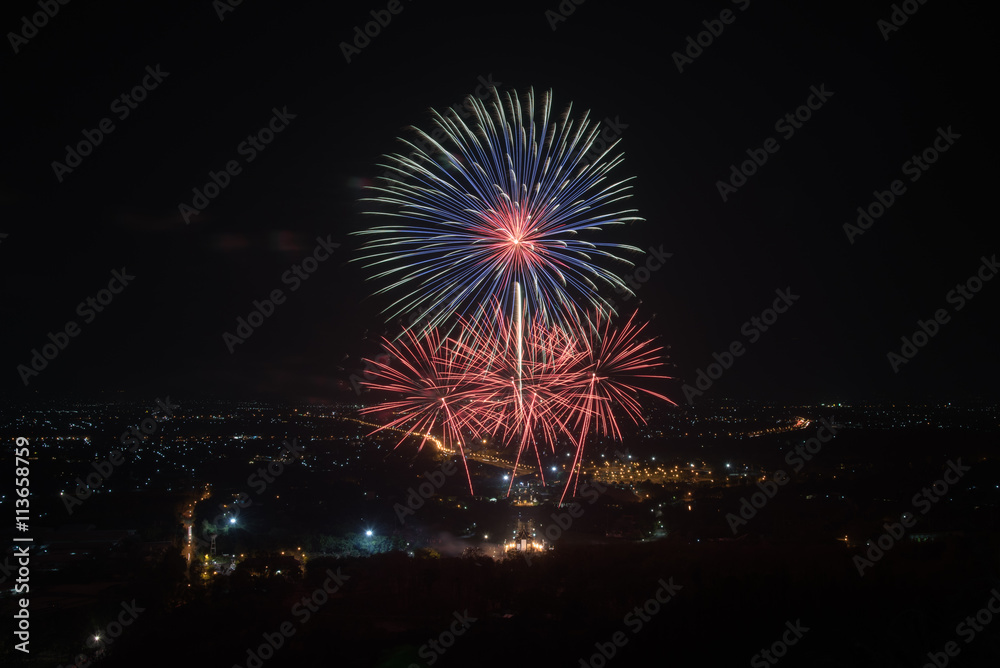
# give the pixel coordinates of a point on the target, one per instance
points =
(188, 523)
(476, 455)
(624, 472)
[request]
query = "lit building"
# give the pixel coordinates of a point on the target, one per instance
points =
(524, 539)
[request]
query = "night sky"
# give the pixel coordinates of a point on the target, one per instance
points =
(219, 81)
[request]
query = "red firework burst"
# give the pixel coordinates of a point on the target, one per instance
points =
(525, 386)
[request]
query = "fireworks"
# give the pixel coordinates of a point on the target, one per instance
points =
(507, 200)
(432, 389)
(476, 383)
(492, 227)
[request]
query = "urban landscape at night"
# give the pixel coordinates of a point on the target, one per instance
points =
(242, 506)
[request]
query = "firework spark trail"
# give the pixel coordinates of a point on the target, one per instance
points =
(617, 354)
(519, 319)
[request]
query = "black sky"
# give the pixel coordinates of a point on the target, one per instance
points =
(681, 132)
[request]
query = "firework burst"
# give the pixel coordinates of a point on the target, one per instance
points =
(432, 388)
(503, 206)
(506, 200)
(476, 383)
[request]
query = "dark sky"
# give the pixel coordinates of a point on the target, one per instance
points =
(680, 132)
